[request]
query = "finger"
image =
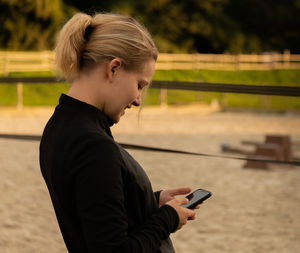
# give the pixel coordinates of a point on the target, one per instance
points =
(180, 191)
(192, 217)
(166, 195)
(185, 221)
(191, 213)
(197, 207)
(182, 201)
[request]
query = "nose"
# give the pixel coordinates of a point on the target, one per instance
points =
(138, 100)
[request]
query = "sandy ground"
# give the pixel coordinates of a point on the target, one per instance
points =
(250, 211)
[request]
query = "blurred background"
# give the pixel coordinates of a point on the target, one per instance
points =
(254, 208)
(224, 41)
(209, 26)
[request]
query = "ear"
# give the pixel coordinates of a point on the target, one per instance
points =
(112, 67)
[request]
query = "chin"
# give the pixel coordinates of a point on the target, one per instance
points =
(116, 119)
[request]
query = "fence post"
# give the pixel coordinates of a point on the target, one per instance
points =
(163, 97)
(224, 101)
(275, 60)
(44, 59)
(265, 101)
(237, 62)
(195, 61)
(20, 96)
(6, 62)
(286, 58)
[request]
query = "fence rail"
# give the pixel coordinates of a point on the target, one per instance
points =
(177, 85)
(11, 61)
(165, 85)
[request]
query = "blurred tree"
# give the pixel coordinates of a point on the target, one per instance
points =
(220, 25)
(30, 24)
(206, 26)
(184, 26)
(212, 26)
(92, 6)
(267, 25)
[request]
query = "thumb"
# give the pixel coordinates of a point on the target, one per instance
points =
(191, 213)
(179, 191)
(182, 201)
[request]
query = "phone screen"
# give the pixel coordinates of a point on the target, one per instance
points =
(197, 197)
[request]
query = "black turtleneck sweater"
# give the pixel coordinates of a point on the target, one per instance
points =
(102, 198)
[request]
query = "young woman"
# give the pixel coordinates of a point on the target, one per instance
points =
(102, 197)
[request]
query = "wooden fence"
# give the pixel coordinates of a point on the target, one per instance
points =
(165, 85)
(229, 62)
(44, 61)
(11, 61)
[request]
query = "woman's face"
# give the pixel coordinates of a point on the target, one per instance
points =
(126, 90)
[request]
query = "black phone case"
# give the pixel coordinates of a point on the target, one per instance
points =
(193, 205)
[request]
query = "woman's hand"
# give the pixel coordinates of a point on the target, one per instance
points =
(168, 195)
(184, 214)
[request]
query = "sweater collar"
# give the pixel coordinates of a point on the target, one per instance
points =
(103, 119)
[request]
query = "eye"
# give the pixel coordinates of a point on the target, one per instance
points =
(140, 86)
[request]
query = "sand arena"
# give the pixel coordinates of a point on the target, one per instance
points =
(250, 211)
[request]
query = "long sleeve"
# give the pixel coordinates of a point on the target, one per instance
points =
(157, 195)
(100, 202)
(102, 197)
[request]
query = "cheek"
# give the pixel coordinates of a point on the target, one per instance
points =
(131, 94)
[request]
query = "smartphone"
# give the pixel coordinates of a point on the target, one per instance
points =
(196, 198)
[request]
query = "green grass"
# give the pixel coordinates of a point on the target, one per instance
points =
(275, 77)
(43, 94)
(48, 94)
(31, 74)
(8, 94)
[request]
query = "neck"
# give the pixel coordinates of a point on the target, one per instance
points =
(88, 89)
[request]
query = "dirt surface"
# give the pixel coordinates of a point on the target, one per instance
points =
(250, 210)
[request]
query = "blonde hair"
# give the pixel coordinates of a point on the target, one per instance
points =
(86, 41)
